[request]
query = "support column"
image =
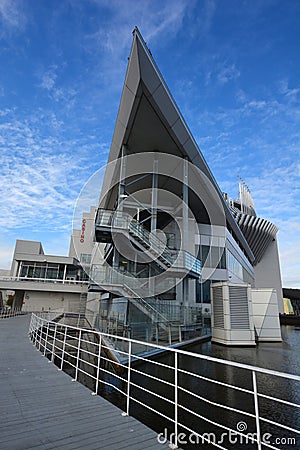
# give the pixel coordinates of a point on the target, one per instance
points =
(121, 194)
(19, 271)
(154, 195)
(185, 225)
(65, 272)
(185, 205)
(121, 191)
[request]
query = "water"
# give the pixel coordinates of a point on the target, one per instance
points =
(283, 357)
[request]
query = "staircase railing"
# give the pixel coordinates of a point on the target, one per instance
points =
(121, 220)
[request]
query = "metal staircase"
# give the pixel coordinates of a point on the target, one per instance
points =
(114, 281)
(118, 221)
(126, 284)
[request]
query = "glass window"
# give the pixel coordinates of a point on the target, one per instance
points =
(234, 266)
(40, 272)
(214, 256)
(203, 292)
(205, 251)
(222, 261)
(52, 272)
(24, 271)
(85, 258)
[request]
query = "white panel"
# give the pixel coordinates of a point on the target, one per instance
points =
(133, 71)
(205, 240)
(147, 71)
(126, 105)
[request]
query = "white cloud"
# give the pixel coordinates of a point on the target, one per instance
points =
(6, 253)
(292, 94)
(12, 16)
(227, 73)
(259, 140)
(154, 18)
(48, 78)
(41, 176)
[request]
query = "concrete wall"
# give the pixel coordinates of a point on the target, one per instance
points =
(82, 240)
(23, 247)
(45, 301)
(266, 315)
(267, 273)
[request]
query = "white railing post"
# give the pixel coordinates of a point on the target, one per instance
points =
(128, 377)
(41, 332)
(53, 344)
(77, 357)
(30, 327)
(180, 335)
(35, 331)
(256, 409)
(46, 340)
(98, 365)
(176, 400)
(63, 349)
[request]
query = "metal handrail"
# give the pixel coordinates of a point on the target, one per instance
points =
(122, 220)
(105, 274)
(43, 280)
(51, 338)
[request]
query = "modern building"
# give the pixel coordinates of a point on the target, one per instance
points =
(165, 250)
(170, 247)
(40, 282)
(291, 304)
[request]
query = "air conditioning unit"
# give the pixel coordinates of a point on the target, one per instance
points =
(231, 315)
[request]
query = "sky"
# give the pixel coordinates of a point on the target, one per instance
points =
(232, 66)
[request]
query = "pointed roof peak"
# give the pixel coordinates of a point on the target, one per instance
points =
(149, 118)
(138, 35)
(136, 32)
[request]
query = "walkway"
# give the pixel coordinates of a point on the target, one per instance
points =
(42, 409)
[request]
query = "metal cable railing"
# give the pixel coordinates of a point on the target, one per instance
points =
(141, 381)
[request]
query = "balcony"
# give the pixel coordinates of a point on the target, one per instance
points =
(108, 222)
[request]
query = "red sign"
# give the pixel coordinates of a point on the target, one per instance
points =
(82, 231)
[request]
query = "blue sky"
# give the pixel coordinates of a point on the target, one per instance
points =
(232, 66)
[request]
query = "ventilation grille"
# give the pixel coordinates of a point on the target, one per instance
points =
(218, 309)
(239, 310)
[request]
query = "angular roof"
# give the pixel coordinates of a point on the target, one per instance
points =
(149, 119)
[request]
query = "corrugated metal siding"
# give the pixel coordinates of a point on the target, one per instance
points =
(239, 310)
(218, 309)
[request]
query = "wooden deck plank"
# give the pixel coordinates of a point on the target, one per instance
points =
(41, 409)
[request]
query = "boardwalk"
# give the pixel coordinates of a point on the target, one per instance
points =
(42, 409)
